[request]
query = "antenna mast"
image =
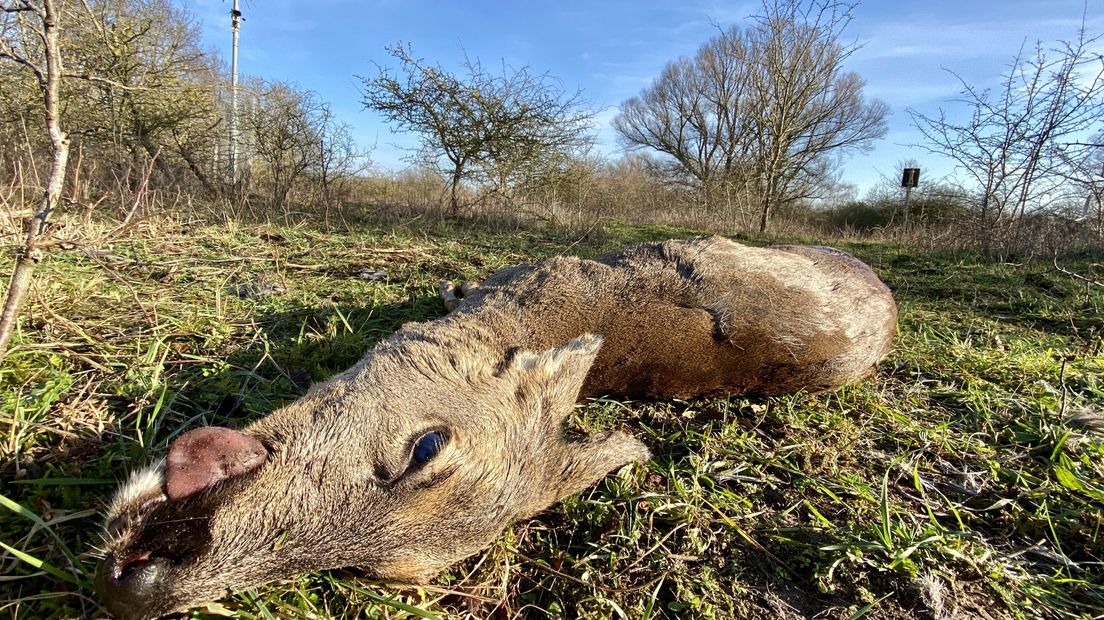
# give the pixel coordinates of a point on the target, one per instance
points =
(235, 26)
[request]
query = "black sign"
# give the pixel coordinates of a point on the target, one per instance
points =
(911, 177)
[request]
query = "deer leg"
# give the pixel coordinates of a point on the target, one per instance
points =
(447, 290)
(451, 295)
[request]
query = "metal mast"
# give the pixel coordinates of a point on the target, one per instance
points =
(235, 26)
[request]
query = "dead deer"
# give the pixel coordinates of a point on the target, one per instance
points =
(449, 431)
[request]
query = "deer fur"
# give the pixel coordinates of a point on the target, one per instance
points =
(330, 480)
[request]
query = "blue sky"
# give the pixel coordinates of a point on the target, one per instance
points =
(612, 49)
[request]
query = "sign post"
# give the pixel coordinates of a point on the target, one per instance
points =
(910, 178)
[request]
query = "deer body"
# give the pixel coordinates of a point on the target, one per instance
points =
(707, 317)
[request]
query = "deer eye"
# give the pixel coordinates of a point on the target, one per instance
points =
(427, 447)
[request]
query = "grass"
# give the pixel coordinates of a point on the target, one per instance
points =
(965, 479)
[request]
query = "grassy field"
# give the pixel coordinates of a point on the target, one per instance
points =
(964, 480)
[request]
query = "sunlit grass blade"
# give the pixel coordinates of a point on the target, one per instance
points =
(43, 566)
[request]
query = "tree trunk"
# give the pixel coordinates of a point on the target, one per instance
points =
(1099, 214)
(454, 206)
(31, 255)
(194, 166)
(770, 192)
(765, 213)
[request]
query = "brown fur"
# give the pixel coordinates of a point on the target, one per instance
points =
(499, 374)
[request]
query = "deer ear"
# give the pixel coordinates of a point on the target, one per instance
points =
(205, 456)
(553, 378)
(551, 382)
(586, 461)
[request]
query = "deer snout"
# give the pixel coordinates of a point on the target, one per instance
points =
(129, 585)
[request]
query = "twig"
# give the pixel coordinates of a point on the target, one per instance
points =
(105, 81)
(139, 196)
(1076, 275)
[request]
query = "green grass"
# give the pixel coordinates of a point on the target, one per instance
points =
(965, 479)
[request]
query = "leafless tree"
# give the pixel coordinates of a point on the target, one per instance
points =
(284, 125)
(1016, 143)
(1083, 169)
(29, 36)
(768, 108)
(298, 143)
(337, 159)
(488, 126)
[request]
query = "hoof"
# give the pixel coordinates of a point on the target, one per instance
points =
(447, 290)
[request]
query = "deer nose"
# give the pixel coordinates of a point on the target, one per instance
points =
(128, 584)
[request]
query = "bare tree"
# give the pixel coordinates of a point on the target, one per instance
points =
(1083, 168)
(337, 159)
(487, 126)
(1017, 143)
(433, 103)
(299, 144)
(697, 112)
(768, 107)
(29, 36)
(285, 125)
